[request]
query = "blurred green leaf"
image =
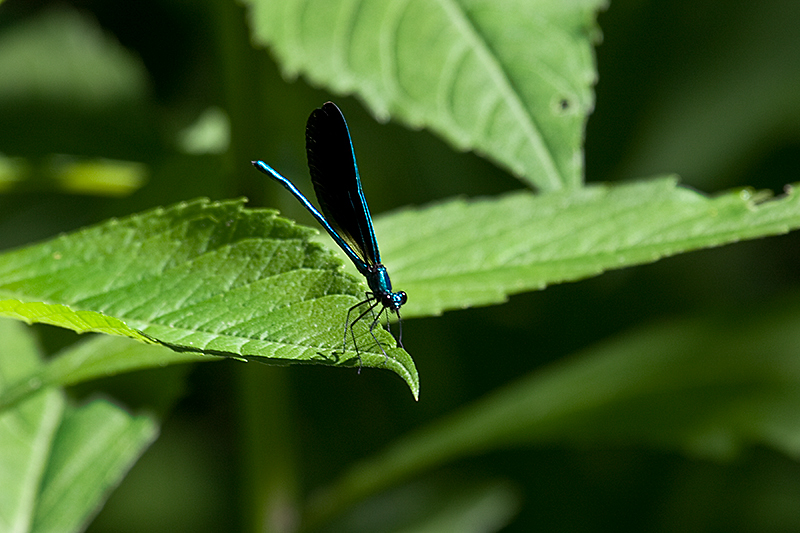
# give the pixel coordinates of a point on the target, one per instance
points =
(463, 253)
(209, 134)
(77, 175)
(58, 462)
(741, 101)
(95, 357)
(706, 386)
(63, 56)
(203, 277)
(13, 170)
(25, 432)
(470, 509)
(437, 505)
(510, 79)
(103, 177)
(91, 452)
(67, 86)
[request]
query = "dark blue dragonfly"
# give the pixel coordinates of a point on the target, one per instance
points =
(332, 163)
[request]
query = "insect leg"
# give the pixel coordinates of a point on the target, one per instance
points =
(349, 325)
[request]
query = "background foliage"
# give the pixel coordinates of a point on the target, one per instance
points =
(656, 398)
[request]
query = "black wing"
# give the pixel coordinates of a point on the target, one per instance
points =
(337, 184)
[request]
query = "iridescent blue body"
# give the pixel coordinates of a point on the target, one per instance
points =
(346, 217)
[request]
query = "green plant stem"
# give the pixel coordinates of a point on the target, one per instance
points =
(267, 466)
(267, 462)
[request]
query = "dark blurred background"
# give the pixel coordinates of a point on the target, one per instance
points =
(705, 89)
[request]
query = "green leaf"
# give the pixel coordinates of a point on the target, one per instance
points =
(13, 170)
(435, 505)
(94, 448)
(465, 253)
(510, 79)
(209, 134)
(707, 386)
(95, 357)
(25, 432)
(60, 56)
(58, 462)
(61, 315)
(202, 277)
(67, 86)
